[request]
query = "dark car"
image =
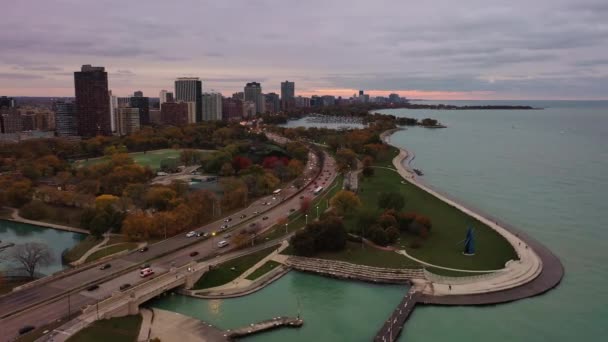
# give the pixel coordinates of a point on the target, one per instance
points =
(105, 267)
(265, 218)
(301, 197)
(143, 249)
(124, 287)
(93, 287)
(26, 329)
(243, 216)
(193, 254)
(253, 224)
(144, 266)
(292, 210)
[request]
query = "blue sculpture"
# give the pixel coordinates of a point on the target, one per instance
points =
(469, 243)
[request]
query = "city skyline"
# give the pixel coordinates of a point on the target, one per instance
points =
(552, 50)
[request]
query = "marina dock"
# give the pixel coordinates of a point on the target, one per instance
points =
(277, 322)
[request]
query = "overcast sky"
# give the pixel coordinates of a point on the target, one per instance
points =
(467, 49)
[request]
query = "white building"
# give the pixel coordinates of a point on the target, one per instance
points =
(127, 120)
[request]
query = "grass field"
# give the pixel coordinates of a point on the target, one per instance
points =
(82, 247)
(123, 329)
(357, 254)
(267, 267)
(230, 270)
(149, 158)
(449, 227)
(111, 250)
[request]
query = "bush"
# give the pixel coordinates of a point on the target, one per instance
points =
(392, 233)
(34, 210)
(325, 235)
(425, 221)
(368, 171)
(378, 235)
(405, 220)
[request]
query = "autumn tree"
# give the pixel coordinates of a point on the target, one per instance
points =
(137, 226)
(346, 159)
(295, 168)
(32, 255)
(160, 197)
(226, 170)
(345, 202)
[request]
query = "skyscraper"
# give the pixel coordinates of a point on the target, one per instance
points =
(143, 103)
(252, 92)
(138, 93)
(92, 101)
(172, 113)
(65, 119)
(288, 90)
(113, 110)
(190, 89)
(7, 102)
(127, 120)
(165, 96)
(232, 109)
(273, 103)
(212, 106)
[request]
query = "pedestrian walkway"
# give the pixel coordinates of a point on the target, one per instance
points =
(147, 317)
(95, 248)
(16, 217)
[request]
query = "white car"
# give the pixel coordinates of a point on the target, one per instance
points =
(191, 234)
(222, 243)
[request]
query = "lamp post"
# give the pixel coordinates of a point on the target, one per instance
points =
(317, 212)
(286, 227)
(306, 215)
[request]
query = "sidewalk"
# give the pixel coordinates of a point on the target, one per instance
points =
(147, 316)
(95, 248)
(15, 217)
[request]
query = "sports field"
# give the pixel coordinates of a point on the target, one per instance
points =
(149, 158)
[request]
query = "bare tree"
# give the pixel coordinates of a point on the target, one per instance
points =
(32, 255)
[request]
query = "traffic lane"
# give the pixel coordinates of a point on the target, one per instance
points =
(43, 315)
(133, 278)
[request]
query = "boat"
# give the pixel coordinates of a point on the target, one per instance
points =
(418, 172)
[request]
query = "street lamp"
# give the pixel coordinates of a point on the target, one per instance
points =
(317, 212)
(306, 215)
(286, 227)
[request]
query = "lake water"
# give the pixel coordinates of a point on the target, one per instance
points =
(333, 310)
(57, 240)
(543, 171)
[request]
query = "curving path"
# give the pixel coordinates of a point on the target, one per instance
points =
(537, 270)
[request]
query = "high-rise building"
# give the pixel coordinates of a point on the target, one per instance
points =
(143, 103)
(127, 120)
(260, 104)
(288, 90)
(165, 96)
(155, 116)
(65, 119)
(92, 101)
(249, 109)
(123, 102)
(360, 92)
(302, 102)
(7, 102)
(238, 96)
(316, 101)
(173, 113)
(113, 109)
(190, 89)
(212, 106)
(273, 103)
(394, 98)
(328, 100)
(252, 92)
(232, 109)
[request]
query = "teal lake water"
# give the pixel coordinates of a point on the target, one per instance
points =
(333, 310)
(57, 240)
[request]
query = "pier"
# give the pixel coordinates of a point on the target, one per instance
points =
(277, 322)
(392, 327)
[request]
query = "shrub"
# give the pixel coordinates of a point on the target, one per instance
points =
(423, 220)
(368, 171)
(378, 235)
(392, 234)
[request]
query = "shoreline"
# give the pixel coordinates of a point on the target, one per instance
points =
(537, 270)
(16, 218)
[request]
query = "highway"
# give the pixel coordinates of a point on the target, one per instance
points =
(41, 305)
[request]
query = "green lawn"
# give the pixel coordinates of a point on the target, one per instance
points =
(449, 226)
(149, 158)
(122, 329)
(267, 267)
(230, 270)
(82, 247)
(111, 250)
(356, 254)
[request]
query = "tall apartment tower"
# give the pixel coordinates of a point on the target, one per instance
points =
(65, 119)
(165, 96)
(288, 90)
(127, 120)
(190, 89)
(92, 101)
(253, 92)
(143, 103)
(212, 106)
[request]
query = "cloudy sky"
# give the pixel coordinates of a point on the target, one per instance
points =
(465, 49)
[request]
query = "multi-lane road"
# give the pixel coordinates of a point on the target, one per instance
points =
(43, 304)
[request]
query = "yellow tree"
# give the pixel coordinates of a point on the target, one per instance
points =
(345, 202)
(104, 201)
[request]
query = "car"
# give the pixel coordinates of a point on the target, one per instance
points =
(228, 219)
(92, 287)
(198, 234)
(292, 210)
(227, 236)
(253, 224)
(143, 249)
(193, 254)
(243, 216)
(222, 244)
(144, 266)
(265, 218)
(191, 234)
(25, 329)
(256, 212)
(124, 286)
(105, 267)
(301, 197)
(205, 234)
